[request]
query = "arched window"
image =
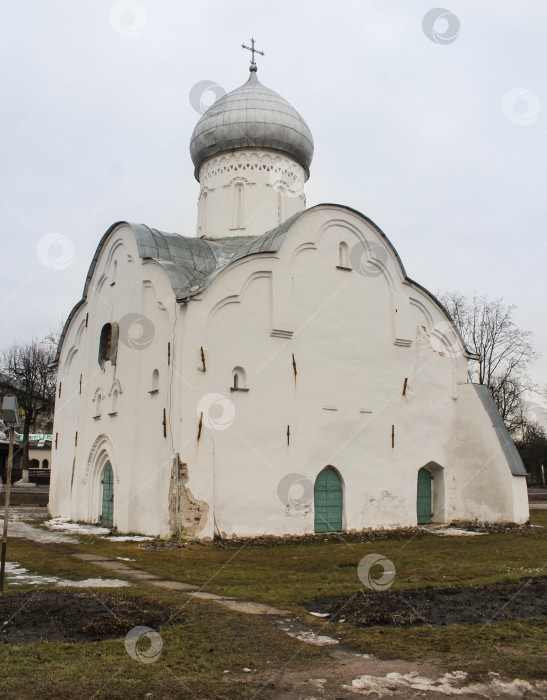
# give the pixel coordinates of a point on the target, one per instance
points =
(239, 380)
(45, 464)
(281, 205)
(343, 255)
(114, 272)
(108, 344)
(155, 382)
(203, 215)
(237, 216)
(115, 397)
(33, 464)
(98, 401)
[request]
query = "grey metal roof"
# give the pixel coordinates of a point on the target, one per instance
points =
(190, 263)
(507, 445)
(251, 116)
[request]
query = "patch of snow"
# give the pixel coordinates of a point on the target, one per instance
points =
(95, 583)
(128, 538)
(312, 638)
(125, 559)
(448, 684)
(66, 525)
(455, 532)
(18, 575)
(320, 614)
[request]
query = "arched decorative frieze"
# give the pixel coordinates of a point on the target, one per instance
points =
(101, 451)
(115, 386)
(309, 245)
(232, 299)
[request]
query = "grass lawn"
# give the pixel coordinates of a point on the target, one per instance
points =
(210, 639)
(206, 641)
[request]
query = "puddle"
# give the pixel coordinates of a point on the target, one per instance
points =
(18, 575)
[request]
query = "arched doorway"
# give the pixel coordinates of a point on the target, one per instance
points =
(424, 501)
(107, 510)
(328, 501)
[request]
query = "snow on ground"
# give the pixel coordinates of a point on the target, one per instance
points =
(18, 575)
(453, 531)
(22, 530)
(65, 525)
(449, 684)
(128, 538)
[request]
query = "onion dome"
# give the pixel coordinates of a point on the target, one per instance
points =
(252, 116)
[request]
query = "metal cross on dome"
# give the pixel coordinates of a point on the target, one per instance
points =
(252, 49)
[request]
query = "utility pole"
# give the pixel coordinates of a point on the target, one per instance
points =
(10, 416)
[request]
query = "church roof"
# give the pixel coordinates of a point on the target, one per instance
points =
(252, 116)
(191, 263)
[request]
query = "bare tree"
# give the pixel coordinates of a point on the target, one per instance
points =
(27, 373)
(504, 351)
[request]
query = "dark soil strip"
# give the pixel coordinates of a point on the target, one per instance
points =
(66, 616)
(526, 600)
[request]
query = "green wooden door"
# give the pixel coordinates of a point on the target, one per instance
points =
(107, 512)
(424, 505)
(328, 501)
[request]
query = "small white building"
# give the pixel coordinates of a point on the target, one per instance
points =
(277, 374)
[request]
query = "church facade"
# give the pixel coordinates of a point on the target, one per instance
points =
(279, 373)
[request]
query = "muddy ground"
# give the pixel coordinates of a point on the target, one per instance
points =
(66, 616)
(439, 606)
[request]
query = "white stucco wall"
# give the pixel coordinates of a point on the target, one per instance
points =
(355, 334)
(132, 439)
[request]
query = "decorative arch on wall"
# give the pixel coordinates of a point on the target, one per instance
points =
(101, 452)
(309, 245)
(97, 402)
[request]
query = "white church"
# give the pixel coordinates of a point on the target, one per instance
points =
(278, 373)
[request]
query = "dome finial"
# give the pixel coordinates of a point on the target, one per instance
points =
(253, 67)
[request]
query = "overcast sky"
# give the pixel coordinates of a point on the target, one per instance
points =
(436, 131)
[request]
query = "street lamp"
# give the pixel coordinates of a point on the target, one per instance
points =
(10, 417)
